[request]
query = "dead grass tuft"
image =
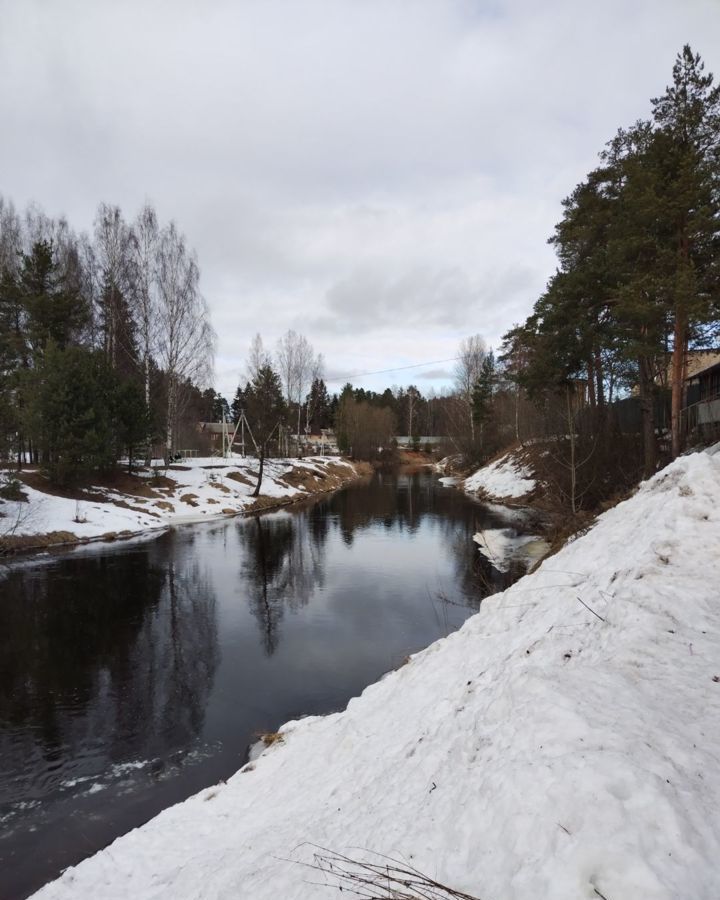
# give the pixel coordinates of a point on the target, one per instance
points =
(270, 737)
(18, 543)
(238, 476)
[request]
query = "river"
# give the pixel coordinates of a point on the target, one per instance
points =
(133, 675)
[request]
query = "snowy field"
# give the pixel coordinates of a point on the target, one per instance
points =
(564, 744)
(192, 491)
(505, 478)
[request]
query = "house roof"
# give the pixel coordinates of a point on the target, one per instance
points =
(715, 366)
(699, 361)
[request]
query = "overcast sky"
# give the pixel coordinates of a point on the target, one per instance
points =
(381, 175)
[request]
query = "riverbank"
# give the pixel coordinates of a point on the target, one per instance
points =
(563, 743)
(127, 505)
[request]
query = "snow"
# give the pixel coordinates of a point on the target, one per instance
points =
(502, 545)
(202, 489)
(546, 749)
(504, 478)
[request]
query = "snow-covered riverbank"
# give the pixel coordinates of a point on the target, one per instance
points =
(507, 478)
(195, 491)
(564, 743)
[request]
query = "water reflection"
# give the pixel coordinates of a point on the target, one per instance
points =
(111, 658)
(132, 676)
(283, 565)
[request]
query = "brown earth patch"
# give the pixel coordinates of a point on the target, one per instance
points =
(40, 482)
(146, 512)
(163, 504)
(210, 500)
(190, 499)
(238, 476)
(163, 483)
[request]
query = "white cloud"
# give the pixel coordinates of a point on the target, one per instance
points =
(380, 175)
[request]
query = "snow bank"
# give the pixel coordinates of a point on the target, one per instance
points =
(502, 545)
(192, 491)
(549, 749)
(506, 477)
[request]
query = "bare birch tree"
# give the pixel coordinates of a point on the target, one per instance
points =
(113, 256)
(145, 245)
(468, 367)
(185, 339)
(296, 362)
(257, 359)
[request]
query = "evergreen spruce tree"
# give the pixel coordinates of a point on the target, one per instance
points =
(266, 408)
(132, 417)
(687, 116)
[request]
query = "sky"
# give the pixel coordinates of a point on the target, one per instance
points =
(379, 175)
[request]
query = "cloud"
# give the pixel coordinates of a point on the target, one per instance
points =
(382, 176)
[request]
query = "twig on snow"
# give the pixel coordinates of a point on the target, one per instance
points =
(590, 609)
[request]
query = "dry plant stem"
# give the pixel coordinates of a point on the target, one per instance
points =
(387, 879)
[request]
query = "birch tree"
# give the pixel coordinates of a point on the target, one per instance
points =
(185, 339)
(468, 368)
(113, 258)
(297, 365)
(145, 245)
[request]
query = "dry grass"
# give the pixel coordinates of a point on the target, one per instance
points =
(164, 504)
(270, 737)
(382, 879)
(189, 499)
(19, 543)
(237, 476)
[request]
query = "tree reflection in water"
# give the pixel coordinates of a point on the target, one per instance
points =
(284, 564)
(110, 659)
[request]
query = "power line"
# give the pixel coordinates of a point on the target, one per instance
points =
(434, 362)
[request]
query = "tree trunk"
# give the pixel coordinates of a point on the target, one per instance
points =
(256, 492)
(591, 384)
(171, 408)
(599, 386)
(571, 434)
(647, 408)
(677, 380)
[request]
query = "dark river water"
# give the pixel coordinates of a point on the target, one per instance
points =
(134, 675)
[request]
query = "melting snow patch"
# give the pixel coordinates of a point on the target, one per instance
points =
(502, 545)
(503, 478)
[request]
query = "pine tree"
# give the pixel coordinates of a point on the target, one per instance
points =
(687, 116)
(56, 311)
(318, 406)
(265, 410)
(238, 404)
(71, 412)
(132, 417)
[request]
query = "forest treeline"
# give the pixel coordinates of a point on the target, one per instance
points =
(106, 345)
(105, 339)
(637, 288)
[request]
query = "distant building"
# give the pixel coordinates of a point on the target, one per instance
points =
(702, 400)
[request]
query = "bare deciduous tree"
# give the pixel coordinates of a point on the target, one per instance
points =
(185, 339)
(257, 359)
(468, 367)
(113, 257)
(296, 362)
(145, 243)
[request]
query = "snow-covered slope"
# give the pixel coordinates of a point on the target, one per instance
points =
(564, 744)
(194, 491)
(502, 479)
